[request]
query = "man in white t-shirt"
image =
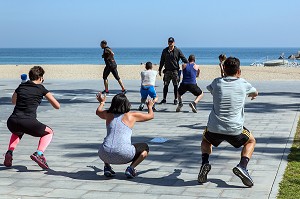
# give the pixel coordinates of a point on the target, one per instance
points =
(148, 78)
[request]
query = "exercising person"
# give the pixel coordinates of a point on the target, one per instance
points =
(110, 67)
(170, 58)
(26, 98)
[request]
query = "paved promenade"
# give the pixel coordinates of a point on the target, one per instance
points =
(172, 167)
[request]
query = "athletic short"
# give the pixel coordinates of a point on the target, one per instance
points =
(107, 70)
(31, 127)
(139, 149)
(235, 140)
(171, 75)
(193, 88)
(147, 90)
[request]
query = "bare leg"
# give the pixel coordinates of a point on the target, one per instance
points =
(179, 97)
(143, 155)
(155, 100)
(106, 84)
(121, 84)
(206, 147)
(249, 147)
(198, 98)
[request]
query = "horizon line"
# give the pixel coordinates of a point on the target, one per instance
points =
(144, 47)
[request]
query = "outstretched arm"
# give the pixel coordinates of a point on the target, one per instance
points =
(253, 95)
(52, 100)
(101, 113)
(142, 117)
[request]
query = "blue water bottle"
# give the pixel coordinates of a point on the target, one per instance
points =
(23, 78)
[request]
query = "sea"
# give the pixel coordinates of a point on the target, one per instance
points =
(135, 56)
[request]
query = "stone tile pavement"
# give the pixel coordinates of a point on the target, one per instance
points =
(171, 169)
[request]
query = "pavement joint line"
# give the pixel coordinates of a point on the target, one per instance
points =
(283, 162)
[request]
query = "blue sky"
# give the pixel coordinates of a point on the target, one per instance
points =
(141, 23)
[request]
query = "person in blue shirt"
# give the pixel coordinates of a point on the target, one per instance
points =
(190, 72)
(226, 120)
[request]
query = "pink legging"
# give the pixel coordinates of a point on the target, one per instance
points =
(44, 141)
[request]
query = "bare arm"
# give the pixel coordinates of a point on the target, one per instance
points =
(14, 98)
(111, 54)
(52, 100)
(142, 117)
(101, 113)
(197, 67)
(253, 95)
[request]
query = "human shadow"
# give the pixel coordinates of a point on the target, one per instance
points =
(193, 126)
(19, 168)
(89, 175)
(222, 184)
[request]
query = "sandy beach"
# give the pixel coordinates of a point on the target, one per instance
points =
(132, 72)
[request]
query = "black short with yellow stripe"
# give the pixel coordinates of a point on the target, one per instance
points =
(235, 140)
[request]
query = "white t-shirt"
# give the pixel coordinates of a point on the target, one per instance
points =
(148, 77)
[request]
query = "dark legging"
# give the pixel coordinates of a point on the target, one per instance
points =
(139, 149)
(166, 89)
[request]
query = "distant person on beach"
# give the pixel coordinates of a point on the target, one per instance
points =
(170, 58)
(222, 58)
(117, 147)
(226, 120)
(26, 98)
(190, 72)
(110, 67)
(148, 78)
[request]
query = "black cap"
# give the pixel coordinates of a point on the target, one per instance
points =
(104, 42)
(171, 39)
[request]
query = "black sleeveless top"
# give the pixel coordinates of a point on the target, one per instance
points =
(108, 62)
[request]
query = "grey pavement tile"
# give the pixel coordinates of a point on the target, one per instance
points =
(66, 193)
(31, 191)
(171, 169)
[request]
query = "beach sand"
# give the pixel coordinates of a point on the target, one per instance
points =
(132, 72)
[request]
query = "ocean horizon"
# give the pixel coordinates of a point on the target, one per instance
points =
(135, 56)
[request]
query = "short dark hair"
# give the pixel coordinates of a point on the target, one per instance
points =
(104, 42)
(222, 57)
(36, 72)
(192, 58)
(148, 65)
(119, 104)
(231, 66)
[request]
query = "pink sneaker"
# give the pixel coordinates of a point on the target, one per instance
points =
(40, 160)
(8, 159)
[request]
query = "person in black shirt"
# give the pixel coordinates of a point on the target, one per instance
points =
(26, 98)
(170, 58)
(110, 67)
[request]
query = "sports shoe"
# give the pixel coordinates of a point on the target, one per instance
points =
(153, 108)
(8, 159)
(193, 106)
(180, 105)
(124, 91)
(175, 102)
(40, 160)
(130, 172)
(204, 170)
(105, 92)
(108, 171)
(141, 107)
(243, 174)
(163, 101)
